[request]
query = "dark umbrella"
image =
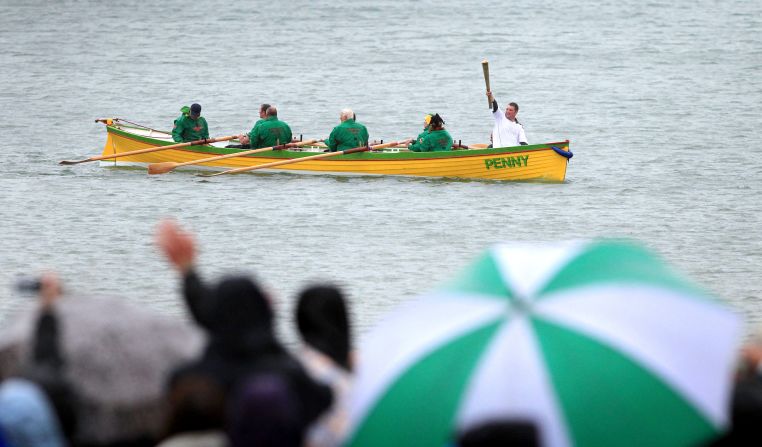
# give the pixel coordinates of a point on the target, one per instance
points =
(117, 357)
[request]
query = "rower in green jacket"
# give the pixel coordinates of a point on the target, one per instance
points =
(270, 131)
(435, 140)
(191, 127)
(244, 137)
(348, 134)
(184, 111)
(262, 114)
(426, 126)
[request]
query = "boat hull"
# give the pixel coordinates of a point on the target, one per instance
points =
(538, 162)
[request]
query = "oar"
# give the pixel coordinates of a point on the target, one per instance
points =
(312, 157)
(163, 168)
(150, 149)
(485, 69)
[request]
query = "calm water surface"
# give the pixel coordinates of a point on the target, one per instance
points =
(662, 102)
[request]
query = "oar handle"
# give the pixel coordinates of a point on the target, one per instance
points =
(250, 152)
(355, 150)
(164, 167)
(297, 160)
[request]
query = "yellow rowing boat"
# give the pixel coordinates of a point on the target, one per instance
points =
(537, 162)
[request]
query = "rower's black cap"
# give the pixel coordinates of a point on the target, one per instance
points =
(195, 110)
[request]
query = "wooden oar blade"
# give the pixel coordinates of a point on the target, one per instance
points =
(72, 162)
(217, 173)
(161, 168)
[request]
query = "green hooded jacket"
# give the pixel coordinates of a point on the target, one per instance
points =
(269, 132)
(422, 135)
(347, 135)
(184, 111)
(433, 141)
(188, 129)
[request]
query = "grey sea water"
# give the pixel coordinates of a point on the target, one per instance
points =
(662, 102)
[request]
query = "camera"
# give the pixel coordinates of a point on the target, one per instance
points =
(29, 285)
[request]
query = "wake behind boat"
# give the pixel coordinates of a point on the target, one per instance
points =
(538, 162)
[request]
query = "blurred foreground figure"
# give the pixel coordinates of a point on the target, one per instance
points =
(242, 345)
(323, 322)
(266, 412)
(38, 407)
(500, 434)
(102, 364)
(195, 413)
(746, 405)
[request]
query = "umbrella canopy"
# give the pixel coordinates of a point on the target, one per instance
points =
(117, 358)
(597, 343)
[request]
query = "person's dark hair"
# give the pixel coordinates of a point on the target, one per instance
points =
(265, 411)
(272, 111)
(516, 107)
(239, 307)
(194, 403)
(499, 433)
(436, 122)
(264, 107)
(323, 322)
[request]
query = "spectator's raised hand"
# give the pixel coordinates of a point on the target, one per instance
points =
(177, 245)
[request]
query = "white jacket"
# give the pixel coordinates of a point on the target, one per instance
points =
(506, 133)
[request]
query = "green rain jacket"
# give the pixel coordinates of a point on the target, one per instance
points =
(422, 135)
(347, 135)
(434, 141)
(269, 132)
(184, 111)
(188, 129)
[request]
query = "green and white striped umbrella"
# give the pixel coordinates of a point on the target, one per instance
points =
(598, 343)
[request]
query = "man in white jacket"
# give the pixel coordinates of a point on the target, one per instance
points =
(508, 132)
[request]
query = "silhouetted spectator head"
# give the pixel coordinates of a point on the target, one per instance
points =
(323, 322)
(26, 416)
(500, 433)
(195, 403)
(240, 306)
(265, 411)
(746, 404)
